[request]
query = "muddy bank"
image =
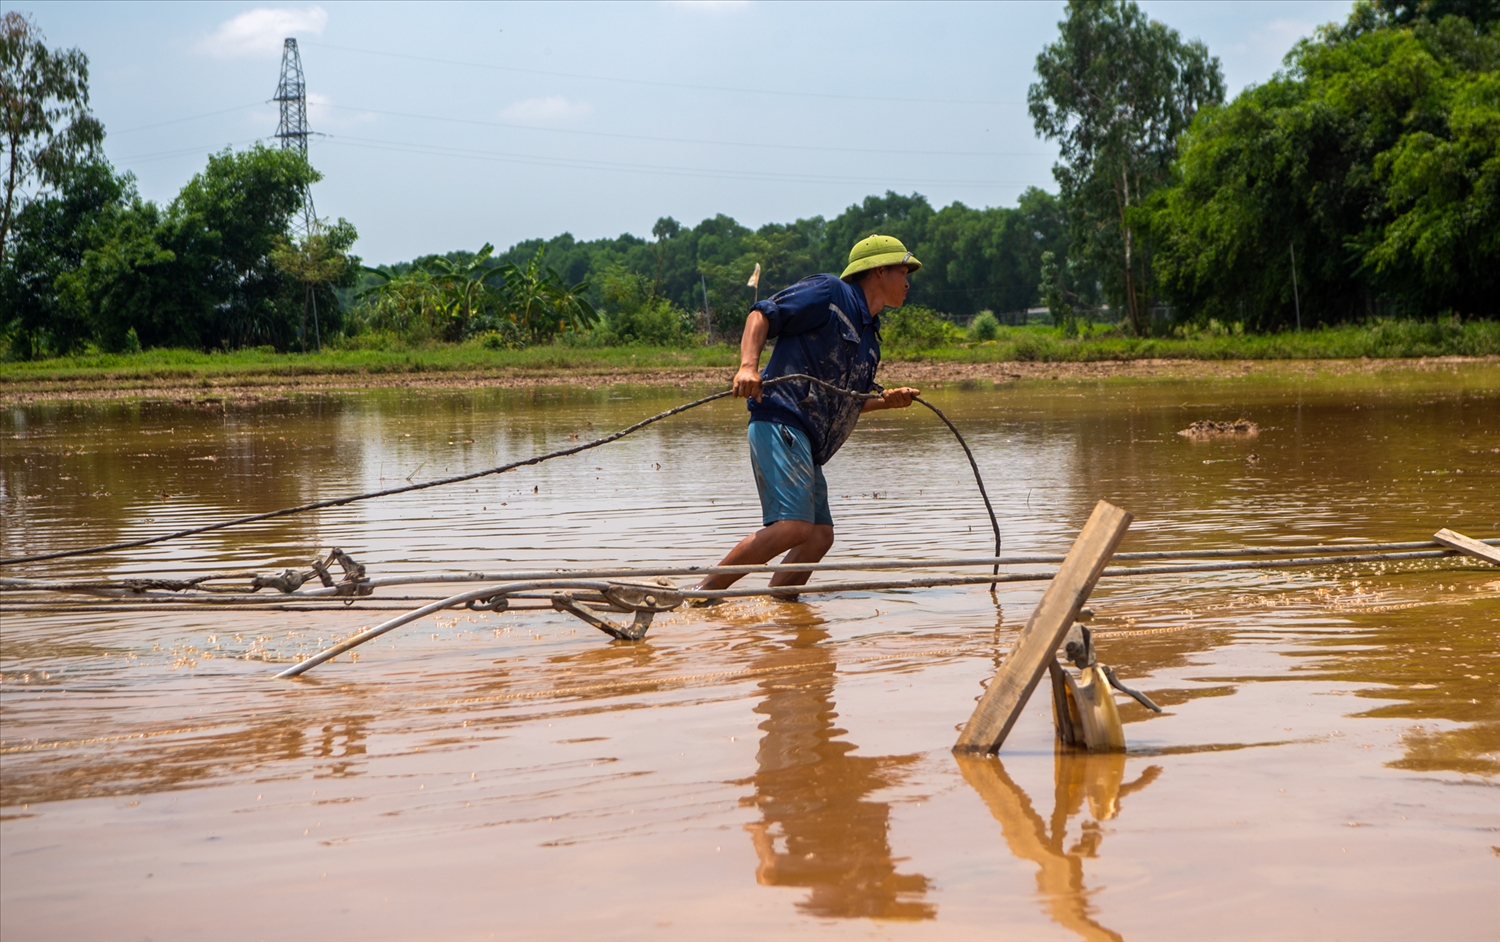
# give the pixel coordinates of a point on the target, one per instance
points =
(250, 386)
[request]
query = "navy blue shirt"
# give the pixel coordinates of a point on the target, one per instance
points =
(823, 328)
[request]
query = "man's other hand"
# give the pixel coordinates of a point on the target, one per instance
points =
(898, 398)
(747, 383)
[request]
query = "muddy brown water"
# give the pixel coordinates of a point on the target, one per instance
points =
(1326, 766)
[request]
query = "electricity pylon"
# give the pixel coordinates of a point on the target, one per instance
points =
(291, 93)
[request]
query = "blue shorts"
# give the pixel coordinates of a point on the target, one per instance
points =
(791, 487)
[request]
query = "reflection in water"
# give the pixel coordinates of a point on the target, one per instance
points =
(1097, 776)
(159, 764)
(818, 829)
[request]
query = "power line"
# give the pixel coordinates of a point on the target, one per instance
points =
(684, 140)
(655, 169)
(196, 117)
(615, 80)
(405, 147)
(162, 155)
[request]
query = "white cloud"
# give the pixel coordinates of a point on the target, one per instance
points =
(551, 110)
(317, 107)
(710, 6)
(259, 32)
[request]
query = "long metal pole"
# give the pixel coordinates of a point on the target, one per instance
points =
(122, 590)
(708, 315)
(795, 590)
(1296, 295)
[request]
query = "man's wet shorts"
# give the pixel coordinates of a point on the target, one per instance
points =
(791, 487)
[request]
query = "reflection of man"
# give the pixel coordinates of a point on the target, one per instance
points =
(825, 327)
(817, 829)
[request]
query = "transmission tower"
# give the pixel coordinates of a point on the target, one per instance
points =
(291, 93)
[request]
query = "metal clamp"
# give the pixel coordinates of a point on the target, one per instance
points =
(495, 603)
(289, 581)
(354, 582)
(636, 632)
(637, 597)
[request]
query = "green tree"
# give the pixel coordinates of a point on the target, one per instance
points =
(44, 98)
(1055, 298)
(1371, 160)
(978, 259)
(126, 281)
(223, 227)
(1115, 91)
(319, 262)
(636, 314)
(51, 236)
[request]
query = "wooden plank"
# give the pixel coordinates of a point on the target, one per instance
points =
(1468, 546)
(1017, 677)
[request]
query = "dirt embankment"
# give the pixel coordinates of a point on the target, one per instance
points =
(249, 386)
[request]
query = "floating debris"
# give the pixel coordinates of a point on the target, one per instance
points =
(1207, 428)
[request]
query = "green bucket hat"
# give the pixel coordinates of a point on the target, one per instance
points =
(876, 252)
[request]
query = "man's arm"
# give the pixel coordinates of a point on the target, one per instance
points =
(752, 342)
(890, 399)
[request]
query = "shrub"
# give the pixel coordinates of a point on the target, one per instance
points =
(507, 337)
(984, 326)
(658, 323)
(914, 327)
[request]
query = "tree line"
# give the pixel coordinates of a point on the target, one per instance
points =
(687, 279)
(1361, 181)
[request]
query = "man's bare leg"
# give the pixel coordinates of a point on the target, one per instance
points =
(811, 550)
(802, 542)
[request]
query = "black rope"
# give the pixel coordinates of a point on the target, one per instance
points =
(977, 478)
(501, 469)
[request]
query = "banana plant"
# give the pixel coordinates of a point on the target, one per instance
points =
(539, 302)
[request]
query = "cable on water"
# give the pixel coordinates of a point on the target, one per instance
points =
(501, 469)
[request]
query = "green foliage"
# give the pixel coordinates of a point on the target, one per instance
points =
(1193, 331)
(973, 258)
(914, 327)
(658, 323)
(319, 262)
(223, 227)
(92, 260)
(541, 304)
(407, 306)
(1054, 298)
(1373, 158)
(984, 326)
(635, 316)
(44, 116)
(355, 356)
(456, 297)
(50, 238)
(1115, 91)
(434, 299)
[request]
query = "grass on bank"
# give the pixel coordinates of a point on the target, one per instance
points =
(1381, 340)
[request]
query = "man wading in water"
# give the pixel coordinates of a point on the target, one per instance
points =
(825, 327)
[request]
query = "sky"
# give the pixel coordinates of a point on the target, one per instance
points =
(444, 126)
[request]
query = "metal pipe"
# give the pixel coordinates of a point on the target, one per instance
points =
(15, 584)
(382, 628)
(1118, 571)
